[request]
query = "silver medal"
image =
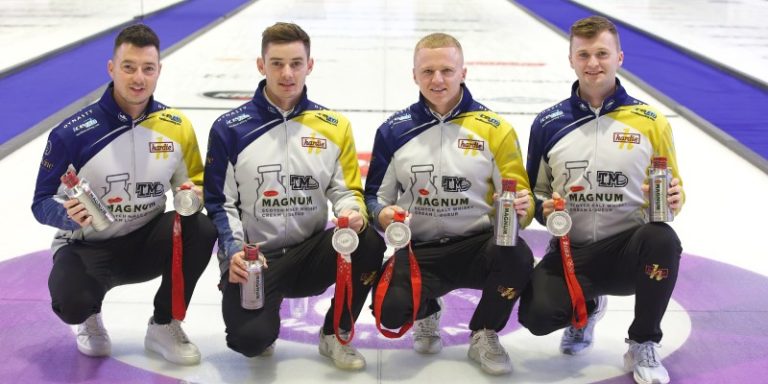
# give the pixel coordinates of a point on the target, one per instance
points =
(559, 223)
(345, 241)
(397, 235)
(187, 203)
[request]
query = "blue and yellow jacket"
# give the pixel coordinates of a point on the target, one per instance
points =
(269, 177)
(130, 164)
(598, 161)
(444, 171)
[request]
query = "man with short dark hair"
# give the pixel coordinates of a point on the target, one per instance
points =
(273, 165)
(132, 150)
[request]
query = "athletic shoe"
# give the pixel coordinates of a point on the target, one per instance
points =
(578, 341)
(92, 337)
(343, 356)
(170, 341)
(486, 350)
(426, 334)
(643, 361)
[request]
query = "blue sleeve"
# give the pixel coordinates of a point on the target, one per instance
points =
(381, 156)
(221, 207)
(536, 144)
(56, 159)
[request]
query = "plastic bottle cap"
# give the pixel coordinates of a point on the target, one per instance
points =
(508, 185)
(251, 251)
(659, 162)
(559, 204)
(343, 222)
(69, 179)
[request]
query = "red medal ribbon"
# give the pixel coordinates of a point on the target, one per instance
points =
(343, 291)
(579, 316)
(178, 305)
(383, 286)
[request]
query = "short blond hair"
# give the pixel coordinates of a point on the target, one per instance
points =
(437, 40)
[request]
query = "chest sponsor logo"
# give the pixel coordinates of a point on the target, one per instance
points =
(237, 120)
(150, 189)
(455, 184)
(303, 183)
(86, 126)
(580, 183)
(626, 137)
(489, 120)
(621, 137)
(174, 119)
(611, 179)
(550, 117)
(328, 118)
(161, 148)
(314, 144)
(645, 113)
(471, 146)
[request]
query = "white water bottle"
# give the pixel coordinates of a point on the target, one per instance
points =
(658, 181)
(252, 291)
(78, 188)
(506, 226)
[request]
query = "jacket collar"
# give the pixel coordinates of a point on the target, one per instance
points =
(421, 108)
(615, 100)
(264, 106)
(109, 105)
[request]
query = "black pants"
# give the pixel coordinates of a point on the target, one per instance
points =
(474, 262)
(84, 271)
(305, 270)
(643, 261)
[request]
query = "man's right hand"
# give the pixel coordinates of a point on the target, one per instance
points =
(76, 212)
(548, 206)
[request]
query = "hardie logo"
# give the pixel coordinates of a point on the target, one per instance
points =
(626, 138)
(160, 148)
(471, 146)
(313, 143)
(654, 272)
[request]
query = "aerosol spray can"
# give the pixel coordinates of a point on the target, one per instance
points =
(506, 226)
(252, 291)
(658, 181)
(78, 188)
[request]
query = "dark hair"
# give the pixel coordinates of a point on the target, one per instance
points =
(592, 26)
(283, 33)
(138, 35)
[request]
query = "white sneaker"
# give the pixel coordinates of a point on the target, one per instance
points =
(578, 341)
(343, 356)
(170, 341)
(426, 333)
(486, 350)
(643, 361)
(92, 337)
